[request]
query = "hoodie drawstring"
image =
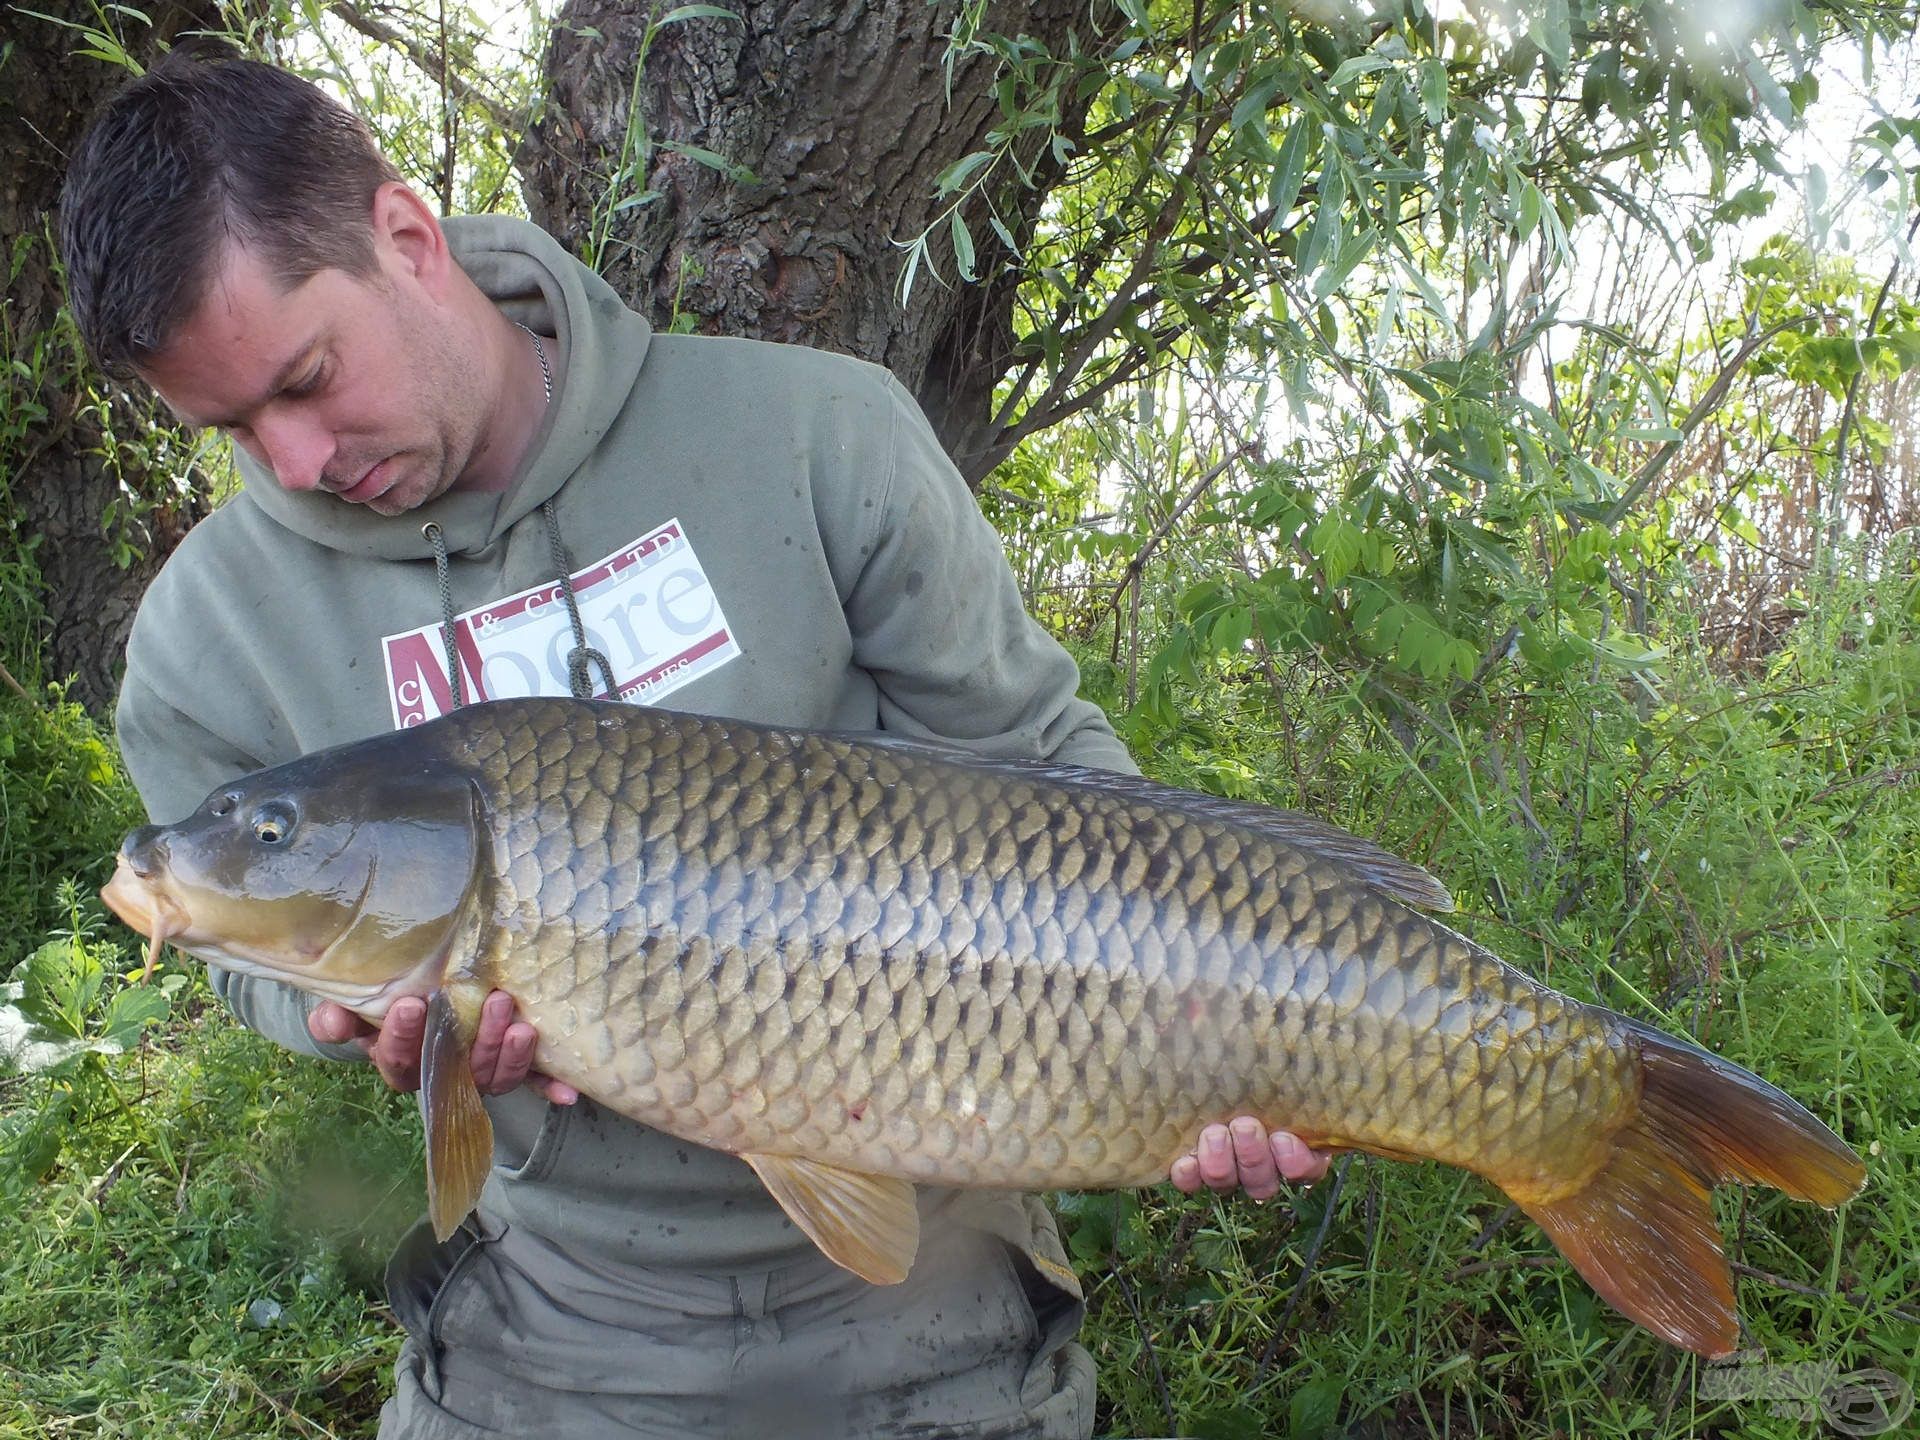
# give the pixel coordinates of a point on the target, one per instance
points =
(582, 656)
(580, 659)
(439, 543)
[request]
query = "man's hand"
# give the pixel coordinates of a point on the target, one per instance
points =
(502, 1057)
(1244, 1156)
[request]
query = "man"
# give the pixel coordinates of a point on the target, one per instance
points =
(442, 429)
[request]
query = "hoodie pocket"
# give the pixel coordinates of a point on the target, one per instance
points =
(528, 1135)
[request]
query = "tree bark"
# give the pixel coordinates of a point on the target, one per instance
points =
(842, 115)
(60, 487)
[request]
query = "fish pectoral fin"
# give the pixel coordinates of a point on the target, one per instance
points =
(459, 1130)
(868, 1224)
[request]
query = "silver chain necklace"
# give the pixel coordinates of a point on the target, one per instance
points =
(540, 353)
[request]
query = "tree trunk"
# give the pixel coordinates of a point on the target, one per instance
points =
(58, 486)
(835, 121)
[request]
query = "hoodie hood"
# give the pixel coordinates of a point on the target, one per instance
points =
(535, 282)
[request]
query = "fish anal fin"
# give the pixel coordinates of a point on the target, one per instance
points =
(868, 1224)
(459, 1130)
(1642, 1233)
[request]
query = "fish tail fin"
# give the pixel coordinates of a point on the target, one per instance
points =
(1642, 1230)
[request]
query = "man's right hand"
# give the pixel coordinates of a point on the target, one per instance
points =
(502, 1056)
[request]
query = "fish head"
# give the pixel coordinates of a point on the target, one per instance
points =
(349, 874)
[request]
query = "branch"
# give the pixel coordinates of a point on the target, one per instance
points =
(1707, 404)
(1165, 527)
(432, 61)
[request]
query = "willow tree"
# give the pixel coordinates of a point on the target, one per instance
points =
(1027, 210)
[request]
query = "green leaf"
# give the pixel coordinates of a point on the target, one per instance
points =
(130, 1011)
(1433, 89)
(957, 174)
(1290, 170)
(1335, 543)
(1359, 65)
(1313, 1408)
(1770, 91)
(1233, 629)
(962, 247)
(694, 12)
(1552, 30)
(1328, 221)
(713, 160)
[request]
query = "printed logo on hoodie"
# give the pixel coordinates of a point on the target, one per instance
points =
(648, 607)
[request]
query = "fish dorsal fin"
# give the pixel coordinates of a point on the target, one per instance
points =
(868, 1224)
(459, 1130)
(1372, 864)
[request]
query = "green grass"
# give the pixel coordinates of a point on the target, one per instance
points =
(207, 1261)
(1738, 860)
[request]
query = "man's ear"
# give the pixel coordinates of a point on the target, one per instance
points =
(407, 238)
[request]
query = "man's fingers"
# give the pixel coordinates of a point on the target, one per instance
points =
(1217, 1167)
(331, 1023)
(557, 1092)
(490, 1042)
(396, 1052)
(1254, 1159)
(1243, 1156)
(1299, 1162)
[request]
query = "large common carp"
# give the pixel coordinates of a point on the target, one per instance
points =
(860, 962)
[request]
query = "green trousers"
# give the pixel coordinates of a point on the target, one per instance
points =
(506, 1336)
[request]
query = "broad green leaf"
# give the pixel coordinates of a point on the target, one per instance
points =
(1313, 1408)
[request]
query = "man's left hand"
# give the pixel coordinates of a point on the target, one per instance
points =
(1243, 1156)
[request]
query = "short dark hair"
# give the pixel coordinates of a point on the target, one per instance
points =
(195, 153)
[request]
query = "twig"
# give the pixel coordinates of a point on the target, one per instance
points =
(1306, 1270)
(6, 679)
(1165, 527)
(1853, 1297)
(1153, 1356)
(1492, 1228)
(430, 60)
(99, 1186)
(1837, 499)
(1507, 1262)
(1707, 404)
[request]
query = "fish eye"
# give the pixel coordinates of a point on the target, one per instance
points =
(273, 822)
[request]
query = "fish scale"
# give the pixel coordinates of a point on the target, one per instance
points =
(1251, 969)
(859, 962)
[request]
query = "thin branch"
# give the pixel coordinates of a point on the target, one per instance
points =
(6, 679)
(1138, 563)
(1705, 406)
(432, 61)
(1307, 1267)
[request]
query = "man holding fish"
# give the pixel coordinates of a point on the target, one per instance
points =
(473, 473)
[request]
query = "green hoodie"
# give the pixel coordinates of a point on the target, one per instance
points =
(784, 542)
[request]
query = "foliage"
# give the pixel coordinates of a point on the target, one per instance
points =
(204, 1258)
(1736, 862)
(64, 806)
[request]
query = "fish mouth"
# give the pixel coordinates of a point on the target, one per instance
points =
(144, 906)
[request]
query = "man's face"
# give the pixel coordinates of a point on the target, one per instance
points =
(362, 387)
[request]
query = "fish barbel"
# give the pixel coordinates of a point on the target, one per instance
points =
(860, 962)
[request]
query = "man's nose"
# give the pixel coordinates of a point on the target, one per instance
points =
(297, 449)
